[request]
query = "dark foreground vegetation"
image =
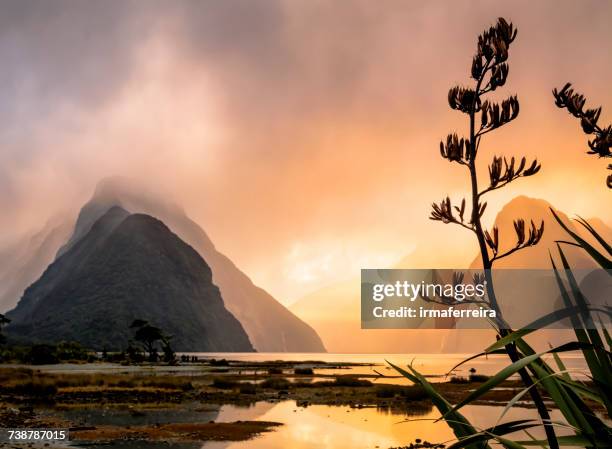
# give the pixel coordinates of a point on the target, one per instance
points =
(546, 385)
(43, 354)
(148, 343)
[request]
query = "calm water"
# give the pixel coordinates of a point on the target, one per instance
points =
(325, 427)
(315, 426)
(427, 364)
(432, 365)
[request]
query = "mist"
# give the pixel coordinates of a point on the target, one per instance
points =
(301, 135)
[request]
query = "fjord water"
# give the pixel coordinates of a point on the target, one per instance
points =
(315, 426)
(434, 366)
(332, 427)
(312, 427)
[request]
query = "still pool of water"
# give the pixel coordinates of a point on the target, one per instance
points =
(326, 427)
(313, 427)
(332, 427)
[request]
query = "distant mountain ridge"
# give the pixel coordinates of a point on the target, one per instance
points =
(537, 257)
(128, 266)
(341, 301)
(271, 327)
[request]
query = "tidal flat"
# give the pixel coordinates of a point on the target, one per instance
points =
(216, 402)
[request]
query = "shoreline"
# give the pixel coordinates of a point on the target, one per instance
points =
(32, 397)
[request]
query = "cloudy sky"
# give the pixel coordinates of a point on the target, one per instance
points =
(301, 134)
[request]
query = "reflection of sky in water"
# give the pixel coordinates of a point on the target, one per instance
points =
(325, 427)
(313, 427)
(317, 426)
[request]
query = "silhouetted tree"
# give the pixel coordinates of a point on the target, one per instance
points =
(148, 336)
(574, 102)
(489, 71)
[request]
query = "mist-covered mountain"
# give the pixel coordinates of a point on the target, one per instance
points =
(126, 267)
(334, 311)
(24, 260)
(537, 257)
(542, 296)
(271, 327)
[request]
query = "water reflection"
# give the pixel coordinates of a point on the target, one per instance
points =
(315, 426)
(334, 427)
(312, 427)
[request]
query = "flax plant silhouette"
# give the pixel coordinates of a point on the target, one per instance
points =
(489, 71)
(574, 102)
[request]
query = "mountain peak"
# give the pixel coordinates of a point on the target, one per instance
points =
(528, 207)
(270, 325)
(536, 257)
(122, 190)
(124, 268)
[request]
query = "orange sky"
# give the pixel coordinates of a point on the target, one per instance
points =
(302, 135)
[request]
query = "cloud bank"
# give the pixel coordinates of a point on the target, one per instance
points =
(302, 135)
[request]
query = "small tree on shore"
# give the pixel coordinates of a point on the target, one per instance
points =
(149, 336)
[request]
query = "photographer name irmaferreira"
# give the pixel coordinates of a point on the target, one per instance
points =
(423, 312)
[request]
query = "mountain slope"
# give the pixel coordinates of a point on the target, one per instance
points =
(271, 326)
(128, 267)
(26, 259)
